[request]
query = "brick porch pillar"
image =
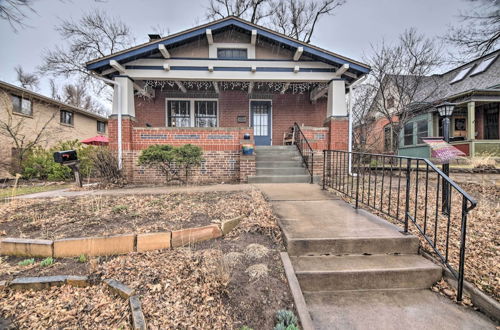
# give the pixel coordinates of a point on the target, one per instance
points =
(127, 141)
(338, 128)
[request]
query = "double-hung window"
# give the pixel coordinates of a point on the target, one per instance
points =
(22, 106)
(192, 113)
(101, 126)
(66, 117)
(422, 130)
(408, 134)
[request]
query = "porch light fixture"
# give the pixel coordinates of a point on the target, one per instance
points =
(445, 109)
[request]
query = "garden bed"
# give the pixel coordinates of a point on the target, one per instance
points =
(234, 281)
(98, 215)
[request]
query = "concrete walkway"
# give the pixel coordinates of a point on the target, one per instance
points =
(357, 271)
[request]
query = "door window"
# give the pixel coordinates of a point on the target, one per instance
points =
(260, 119)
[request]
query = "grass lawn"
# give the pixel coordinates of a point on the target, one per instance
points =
(26, 190)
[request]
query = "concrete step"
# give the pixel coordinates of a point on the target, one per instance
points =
(281, 171)
(279, 179)
(259, 148)
(277, 157)
(279, 163)
(360, 272)
(352, 245)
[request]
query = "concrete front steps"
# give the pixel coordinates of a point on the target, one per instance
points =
(279, 164)
(357, 271)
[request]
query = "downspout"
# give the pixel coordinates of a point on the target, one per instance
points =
(349, 146)
(118, 96)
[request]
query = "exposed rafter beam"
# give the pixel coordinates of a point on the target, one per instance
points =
(250, 87)
(166, 67)
(117, 66)
(216, 86)
(142, 90)
(164, 51)
(181, 86)
(318, 92)
(340, 71)
(254, 37)
(210, 38)
(298, 53)
(285, 87)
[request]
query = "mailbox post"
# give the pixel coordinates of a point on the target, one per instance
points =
(69, 158)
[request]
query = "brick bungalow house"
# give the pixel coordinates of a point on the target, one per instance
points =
(475, 89)
(30, 111)
(211, 84)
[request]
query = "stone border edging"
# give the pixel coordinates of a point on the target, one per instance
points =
(485, 303)
(298, 297)
(116, 244)
(45, 282)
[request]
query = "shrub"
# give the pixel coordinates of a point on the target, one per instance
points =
(39, 163)
(172, 161)
(47, 262)
(483, 162)
(105, 166)
(26, 262)
(286, 320)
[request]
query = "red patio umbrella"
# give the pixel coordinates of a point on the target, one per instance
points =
(98, 140)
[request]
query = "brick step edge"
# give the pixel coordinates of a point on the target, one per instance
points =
(45, 282)
(116, 244)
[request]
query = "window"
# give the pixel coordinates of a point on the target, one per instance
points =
(483, 65)
(66, 117)
(179, 114)
(408, 134)
(205, 113)
(461, 75)
(232, 53)
(23, 106)
(422, 130)
(101, 126)
(390, 138)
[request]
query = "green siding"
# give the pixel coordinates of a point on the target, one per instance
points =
(416, 151)
(487, 149)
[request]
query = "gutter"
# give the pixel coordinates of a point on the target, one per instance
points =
(349, 148)
(118, 96)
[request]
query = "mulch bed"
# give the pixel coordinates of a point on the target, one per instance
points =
(99, 215)
(226, 283)
(64, 307)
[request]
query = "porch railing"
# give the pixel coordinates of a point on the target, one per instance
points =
(305, 150)
(407, 189)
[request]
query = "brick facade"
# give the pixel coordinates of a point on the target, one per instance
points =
(223, 161)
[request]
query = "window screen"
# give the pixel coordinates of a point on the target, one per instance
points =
(205, 114)
(232, 53)
(179, 114)
(66, 117)
(408, 134)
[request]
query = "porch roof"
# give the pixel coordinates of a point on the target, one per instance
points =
(143, 50)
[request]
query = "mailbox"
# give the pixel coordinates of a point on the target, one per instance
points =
(64, 157)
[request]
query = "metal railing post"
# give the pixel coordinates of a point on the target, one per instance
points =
(324, 169)
(357, 181)
(407, 202)
(312, 166)
(461, 264)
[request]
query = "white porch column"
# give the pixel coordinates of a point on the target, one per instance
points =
(336, 106)
(471, 121)
(123, 97)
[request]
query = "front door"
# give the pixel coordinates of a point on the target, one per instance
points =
(261, 122)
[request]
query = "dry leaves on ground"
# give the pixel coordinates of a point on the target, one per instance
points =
(92, 307)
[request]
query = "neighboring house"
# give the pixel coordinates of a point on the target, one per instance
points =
(211, 84)
(30, 112)
(474, 88)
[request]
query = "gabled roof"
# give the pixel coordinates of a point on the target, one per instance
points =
(16, 90)
(147, 48)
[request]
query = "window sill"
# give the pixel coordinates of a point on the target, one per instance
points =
(22, 114)
(67, 125)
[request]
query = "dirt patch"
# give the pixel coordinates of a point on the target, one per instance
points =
(99, 215)
(64, 307)
(205, 286)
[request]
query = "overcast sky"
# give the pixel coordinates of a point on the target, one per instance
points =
(349, 32)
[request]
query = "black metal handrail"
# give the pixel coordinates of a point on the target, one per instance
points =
(305, 150)
(407, 189)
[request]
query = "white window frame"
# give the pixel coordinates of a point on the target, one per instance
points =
(191, 110)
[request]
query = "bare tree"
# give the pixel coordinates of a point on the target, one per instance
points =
(400, 78)
(251, 10)
(92, 36)
(294, 18)
(22, 137)
(479, 32)
(15, 12)
(76, 94)
(26, 79)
